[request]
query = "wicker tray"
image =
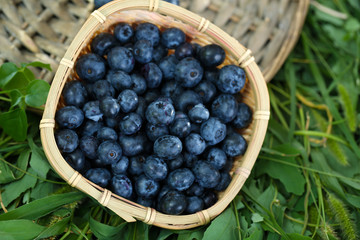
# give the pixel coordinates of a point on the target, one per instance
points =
(41, 30)
(201, 31)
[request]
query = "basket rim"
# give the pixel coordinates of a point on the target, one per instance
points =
(127, 209)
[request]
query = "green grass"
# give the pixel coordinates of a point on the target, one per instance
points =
(305, 183)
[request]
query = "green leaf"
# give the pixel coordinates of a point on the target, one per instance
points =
(54, 229)
(164, 234)
(256, 233)
(19, 81)
(16, 99)
(7, 72)
(14, 124)
(352, 25)
(198, 235)
(42, 207)
(296, 236)
(22, 163)
(6, 175)
(348, 107)
(19, 230)
(39, 64)
(256, 217)
(36, 93)
(14, 189)
(106, 232)
(222, 227)
(43, 189)
(291, 177)
(38, 160)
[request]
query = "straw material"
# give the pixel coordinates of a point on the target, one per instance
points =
(41, 30)
(201, 31)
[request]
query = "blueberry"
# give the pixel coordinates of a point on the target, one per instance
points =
(165, 99)
(151, 95)
(128, 100)
(92, 111)
(139, 84)
(109, 152)
(148, 32)
(195, 144)
(195, 190)
(143, 51)
(175, 163)
(153, 131)
(213, 131)
(90, 128)
(206, 175)
(99, 176)
(123, 32)
(187, 100)
(181, 125)
(106, 133)
(229, 165)
(120, 166)
(195, 204)
(206, 90)
(141, 107)
(102, 43)
(146, 187)
(90, 67)
(211, 55)
(146, 202)
(120, 58)
(130, 124)
(171, 89)
(89, 145)
(109, 107)
(163, 191)
(120, 80)
(180, 179)
(167, 66)
(75, 94)
(99, 3)
(225, 180)
(234, 145)
(243, 116)
(160, 112)
(172, 38)
(76, 160)
(231, 79)
(209, 198)
(176, 2)
(195, 128)
(184, 50)
(69, 117)
(217, 158)
(67, 140)
(159, 53)
(211, 75)
(132, 145)
(152, 74)
(225, 107)
(136, 165)
(102, 88)
(188, 72)
(112, 122)
(167, 147)
(122, 186)
(173, 203)
(189, 159)
(197, 48)
(155, 168)
(199, 113)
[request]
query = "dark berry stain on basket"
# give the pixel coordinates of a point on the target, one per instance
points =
(152, 117)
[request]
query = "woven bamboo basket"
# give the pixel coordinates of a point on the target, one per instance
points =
(41, 30)
(198, 30)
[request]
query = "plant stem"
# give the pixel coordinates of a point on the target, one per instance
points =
(237, 219)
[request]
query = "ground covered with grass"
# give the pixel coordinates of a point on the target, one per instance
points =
(305, 183)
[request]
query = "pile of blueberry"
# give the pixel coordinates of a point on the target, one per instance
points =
(153, 118)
